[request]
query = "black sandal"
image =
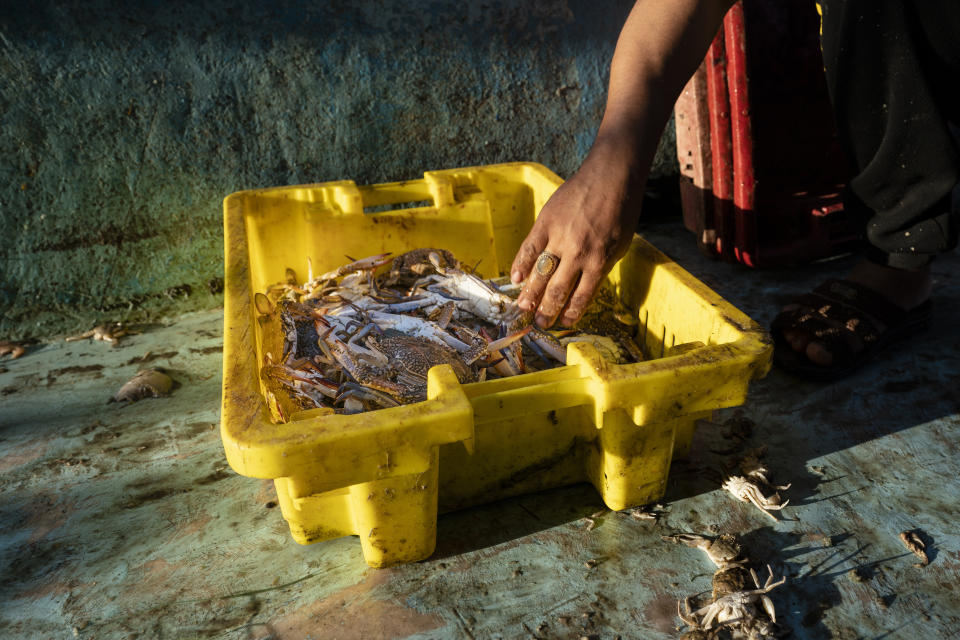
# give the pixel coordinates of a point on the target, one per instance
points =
(843, 316)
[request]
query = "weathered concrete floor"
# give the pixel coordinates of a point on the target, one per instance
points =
(122, 521)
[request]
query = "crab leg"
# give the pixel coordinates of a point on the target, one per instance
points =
(360, 392)
(283, 373)
(360, 333)
(548, 343)
(442, 315)
(361, 372)
(364, 264)
(536, 350)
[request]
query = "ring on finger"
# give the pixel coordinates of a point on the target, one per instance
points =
(547, 264)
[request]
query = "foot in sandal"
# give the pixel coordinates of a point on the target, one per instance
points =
(833, 331)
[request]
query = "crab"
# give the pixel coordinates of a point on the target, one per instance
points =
(911, 540)
(15, 349)
(418, 327)
(356, 280)
(546, 345)
(305, 380)
(730, 580)
(739, 607)
(724, 550)
(356, 398)
(287, 290)
(747, 490)
(409, 267)
(477, 296)
(395, 363)
(148, 383)
(697, 631)
(367, 265)
(607, 316)
(653, 512)
(754, 469)
(608, 347)
(111, 332)
(489, 352)
(443, 314)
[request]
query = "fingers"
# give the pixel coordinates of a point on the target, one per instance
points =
(548, 294)
(527, 255)
(533, 287)
(581, 297)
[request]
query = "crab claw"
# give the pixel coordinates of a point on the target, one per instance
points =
(263, 304)
(506, 341)
(768, 607)
(438, 263)
(495, 346)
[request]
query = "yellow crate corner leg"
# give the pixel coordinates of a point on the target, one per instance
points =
(630, 466)
(314, 518)
(396, 517)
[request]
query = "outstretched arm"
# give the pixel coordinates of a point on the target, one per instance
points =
(590, 220)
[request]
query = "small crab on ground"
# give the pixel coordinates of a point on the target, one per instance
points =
(110, 332)
(148, 383)
(649, 512)
(747, 490)
(911, 540)
(729, 580)
(724, 550)
(753, 468)
(14, 349)
(739, 607)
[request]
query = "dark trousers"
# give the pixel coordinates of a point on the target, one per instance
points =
(893, 71)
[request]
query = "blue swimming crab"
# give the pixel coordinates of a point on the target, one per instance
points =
(354, 340)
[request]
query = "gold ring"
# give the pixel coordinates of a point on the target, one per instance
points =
(547, 264)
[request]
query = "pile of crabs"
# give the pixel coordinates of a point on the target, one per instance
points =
(739, 606)
(363, 336)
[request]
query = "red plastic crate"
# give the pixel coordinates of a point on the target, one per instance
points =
(761, 172)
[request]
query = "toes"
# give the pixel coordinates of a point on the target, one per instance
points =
(797, 339)
(818, 354)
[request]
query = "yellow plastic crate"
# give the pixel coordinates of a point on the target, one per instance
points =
(382, 475)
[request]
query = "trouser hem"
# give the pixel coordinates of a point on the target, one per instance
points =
(903, 261)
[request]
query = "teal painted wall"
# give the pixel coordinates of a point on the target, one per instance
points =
(124, 124)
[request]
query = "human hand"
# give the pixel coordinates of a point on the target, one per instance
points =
(588, 223)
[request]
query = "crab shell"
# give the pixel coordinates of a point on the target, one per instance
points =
(723, 550)
(408, 267)
(747, 491)
(418, 354)
(730, 580)
(148, 383)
